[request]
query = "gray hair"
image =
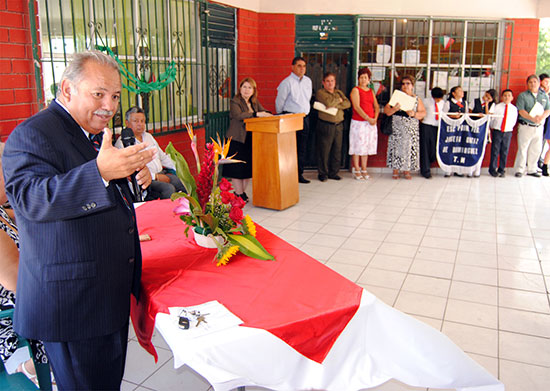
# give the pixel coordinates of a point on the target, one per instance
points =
(75, 70)
(133, 110)
(533, 76)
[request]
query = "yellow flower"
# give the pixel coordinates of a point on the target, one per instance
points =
(225, 253)
(249, 225)
(190, 131)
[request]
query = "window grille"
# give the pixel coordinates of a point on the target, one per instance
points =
(146, 35)
(437, 52)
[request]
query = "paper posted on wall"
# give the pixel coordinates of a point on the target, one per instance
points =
(406, 102)
(202, 319)
(321, 107)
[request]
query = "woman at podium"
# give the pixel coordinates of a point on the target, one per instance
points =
(244, 104)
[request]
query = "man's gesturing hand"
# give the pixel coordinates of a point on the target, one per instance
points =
(114, 163)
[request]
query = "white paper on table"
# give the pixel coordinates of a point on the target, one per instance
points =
(216, 316)
(407, 102)
(536, 110)
(321, 107)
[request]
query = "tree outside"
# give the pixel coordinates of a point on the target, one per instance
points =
(543, 54)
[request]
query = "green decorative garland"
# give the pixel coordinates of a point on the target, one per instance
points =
(164, 79)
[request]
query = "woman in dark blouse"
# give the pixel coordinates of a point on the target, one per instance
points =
(244, 105)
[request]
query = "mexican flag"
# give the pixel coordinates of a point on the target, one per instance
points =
(446, 41)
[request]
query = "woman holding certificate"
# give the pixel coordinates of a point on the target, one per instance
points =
(406, 111)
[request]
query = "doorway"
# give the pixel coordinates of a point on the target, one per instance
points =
(319, 61)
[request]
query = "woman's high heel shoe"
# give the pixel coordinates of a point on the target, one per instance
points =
(357, 174)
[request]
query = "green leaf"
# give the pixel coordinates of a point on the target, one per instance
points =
(182, 170)
(250, 246)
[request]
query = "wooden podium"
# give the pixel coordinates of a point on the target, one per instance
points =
(274, 161)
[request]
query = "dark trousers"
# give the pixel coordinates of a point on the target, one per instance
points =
(329, 147)
(301, 145)
(428, 145)
(499, 146)
(90, 364)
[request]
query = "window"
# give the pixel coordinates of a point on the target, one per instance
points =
(147, 36)
(438, 52)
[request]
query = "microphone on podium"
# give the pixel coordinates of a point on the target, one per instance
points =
(128, 139)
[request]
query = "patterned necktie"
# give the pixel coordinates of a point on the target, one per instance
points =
(503, 126)
(436, 111)
(96, 140)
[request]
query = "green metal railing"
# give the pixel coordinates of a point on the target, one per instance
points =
(147, 36)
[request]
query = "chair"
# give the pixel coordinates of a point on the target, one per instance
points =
(18, 381)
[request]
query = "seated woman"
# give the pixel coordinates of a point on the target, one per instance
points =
(15, 360)
(244, 104)
(403, 144)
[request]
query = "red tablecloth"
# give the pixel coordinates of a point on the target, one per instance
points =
(295, 297)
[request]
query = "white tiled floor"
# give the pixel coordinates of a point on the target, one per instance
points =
(470, 257)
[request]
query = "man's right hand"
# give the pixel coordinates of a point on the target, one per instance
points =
(114, 163)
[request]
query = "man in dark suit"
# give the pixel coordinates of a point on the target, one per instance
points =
(80, 254)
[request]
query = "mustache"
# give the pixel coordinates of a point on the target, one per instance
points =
(103, 112)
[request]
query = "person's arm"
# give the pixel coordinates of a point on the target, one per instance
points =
(261, 112)
(40, 188)
(376, 107)
(282, 93)
(391, 110)
(9, 261)
(420, 110)
(344, 103)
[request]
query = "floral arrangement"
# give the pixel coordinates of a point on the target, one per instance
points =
(213, 209)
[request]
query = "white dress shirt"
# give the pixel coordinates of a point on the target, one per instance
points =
(294, 95)
(429, 104)
(161, 159)
(511, 117)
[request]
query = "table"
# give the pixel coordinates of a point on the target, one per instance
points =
(305, 326)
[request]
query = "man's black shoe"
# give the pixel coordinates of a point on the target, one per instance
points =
(301, 179)
(518, 174)
(427, 176)
(458, 175)
(322, 178)
(535, 174)
(335, 177)
(501, 175)
(493, 174)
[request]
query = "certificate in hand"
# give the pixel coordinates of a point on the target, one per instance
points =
(537, 109)
(407, 102)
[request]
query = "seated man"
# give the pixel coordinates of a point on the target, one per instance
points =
(162, 168)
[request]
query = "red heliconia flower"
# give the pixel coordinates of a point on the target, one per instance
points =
(238, 202)
(227, 197)
(236, 214)
(225, 185)
(204, 181)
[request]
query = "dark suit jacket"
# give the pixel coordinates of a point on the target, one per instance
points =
(237, 113)
(80, 255)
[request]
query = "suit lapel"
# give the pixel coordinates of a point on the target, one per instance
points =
(74, 132)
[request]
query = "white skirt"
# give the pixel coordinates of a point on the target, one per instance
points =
(363, 138)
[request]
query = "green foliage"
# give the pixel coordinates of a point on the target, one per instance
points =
(543, 54)
(183, 172)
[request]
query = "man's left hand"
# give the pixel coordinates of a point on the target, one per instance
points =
(143, 177)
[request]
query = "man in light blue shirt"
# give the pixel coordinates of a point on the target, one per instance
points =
(293, 96)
